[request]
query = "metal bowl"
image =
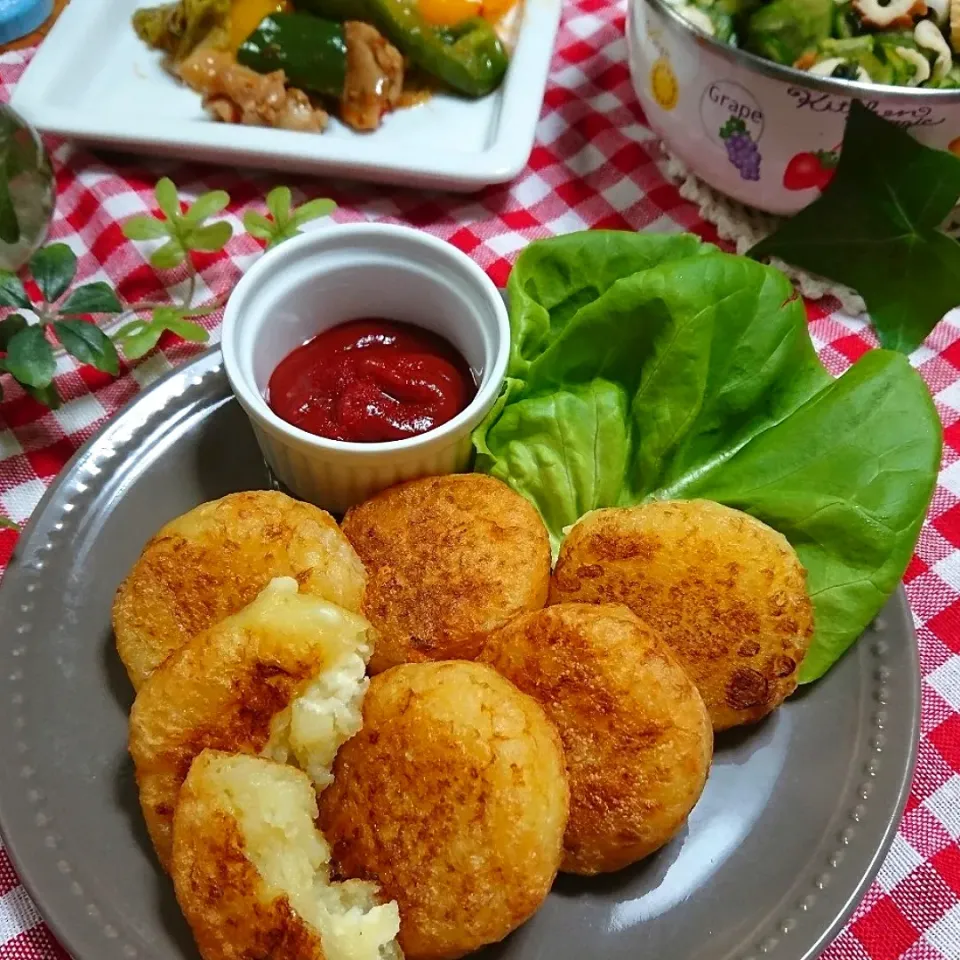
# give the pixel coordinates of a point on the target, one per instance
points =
(691, 87)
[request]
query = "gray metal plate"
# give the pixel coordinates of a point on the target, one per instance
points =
(793, 824)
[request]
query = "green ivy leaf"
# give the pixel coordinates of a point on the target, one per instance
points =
(192, 332)
(10, 327)
(12, 293)
(210, 238)
(30, 358)
(876, 228)
(96, 297)
(313, 210)
(144, 227)
(89, 344)
(278, 203)
(257, 225)
(170, 255)
(206, 205)
(53, 268)
(47, 395)
(167, 199)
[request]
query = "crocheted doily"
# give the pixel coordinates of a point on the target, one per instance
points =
(744, 226)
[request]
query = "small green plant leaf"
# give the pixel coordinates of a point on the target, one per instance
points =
(187, 330)
(131, 329)
(139, 337)
(170, 255)
(30, 358)
(12, 293)
(206, 205)
(210, 238)
(204, 310)
(96, 297)
(313, 210)
(285, 221)
(257, 225)
(9, 327)
(6, 524)
(167, 199)
(139, 344)
(282, 235)
(89, 344)
(278, 203)
(47, 395)
(165, 315)
(53, 269)
(143, 227)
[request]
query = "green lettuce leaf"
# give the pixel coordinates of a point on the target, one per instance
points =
(654, 367)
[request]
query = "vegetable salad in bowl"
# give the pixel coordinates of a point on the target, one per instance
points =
(908, 43)
(753, 96)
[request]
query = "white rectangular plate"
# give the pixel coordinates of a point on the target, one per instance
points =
(93, 80)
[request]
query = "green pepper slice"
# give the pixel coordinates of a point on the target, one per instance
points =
(310, 51)
(468, 58)
(179, 28)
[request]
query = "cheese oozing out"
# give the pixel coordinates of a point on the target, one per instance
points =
(275, 808)
(327, 711)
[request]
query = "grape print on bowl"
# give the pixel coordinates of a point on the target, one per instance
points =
(742, 152)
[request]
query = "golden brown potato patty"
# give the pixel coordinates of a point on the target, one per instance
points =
(260, 681)
(636, 734)
(453, 798)
(726, 593)
(215, 559)
(251, 872)
(448, 559)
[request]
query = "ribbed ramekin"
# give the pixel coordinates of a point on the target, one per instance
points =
(346, 272)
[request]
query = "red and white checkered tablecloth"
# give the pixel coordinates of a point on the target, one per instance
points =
(595, 164)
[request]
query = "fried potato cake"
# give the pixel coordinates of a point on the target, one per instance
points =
(636, 735)
(283, 678)
(251, 872)
(727, 594)
(215, 559)
(453, 798)
(448, 559)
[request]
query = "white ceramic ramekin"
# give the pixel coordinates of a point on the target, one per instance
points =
(346, 272)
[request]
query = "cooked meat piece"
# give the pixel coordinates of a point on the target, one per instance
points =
(236, 94)
(374, 79)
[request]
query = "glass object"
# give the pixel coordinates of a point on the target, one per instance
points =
(27, 190)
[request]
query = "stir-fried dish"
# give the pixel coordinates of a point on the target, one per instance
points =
(908, 43)
(277, 63)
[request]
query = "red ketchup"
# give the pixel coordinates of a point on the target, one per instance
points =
(371, 380)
